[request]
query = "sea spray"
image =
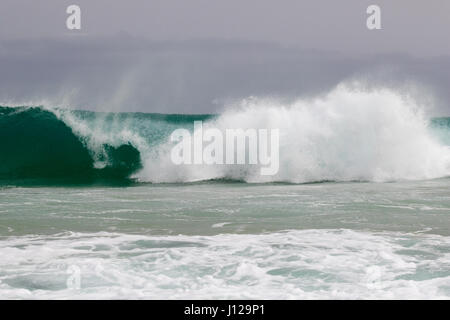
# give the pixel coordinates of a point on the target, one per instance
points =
(344, 135)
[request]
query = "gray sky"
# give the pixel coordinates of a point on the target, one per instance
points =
(193, 56)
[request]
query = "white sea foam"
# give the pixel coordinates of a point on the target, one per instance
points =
(337, 264)
(348, 134)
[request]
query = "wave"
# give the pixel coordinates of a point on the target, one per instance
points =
(34, 144)
(345, 135)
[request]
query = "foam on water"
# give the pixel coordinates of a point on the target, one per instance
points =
(348, 134)
(338, 264)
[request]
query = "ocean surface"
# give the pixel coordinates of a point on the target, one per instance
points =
(92, 207)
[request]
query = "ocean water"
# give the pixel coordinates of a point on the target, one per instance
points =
(92, 207)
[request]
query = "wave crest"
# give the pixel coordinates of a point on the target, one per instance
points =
(346, 135)
(34, 143)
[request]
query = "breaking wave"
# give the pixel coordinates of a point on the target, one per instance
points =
(345, 135)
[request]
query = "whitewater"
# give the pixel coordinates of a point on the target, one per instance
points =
(346, 135)
(358, 209)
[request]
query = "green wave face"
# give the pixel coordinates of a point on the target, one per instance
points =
(35, 144)
(440, 127)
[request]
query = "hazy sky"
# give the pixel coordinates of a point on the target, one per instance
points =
(195, 55)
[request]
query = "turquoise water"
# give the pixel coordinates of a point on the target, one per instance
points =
(92, 207)
(210, 208)
(227, 240)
